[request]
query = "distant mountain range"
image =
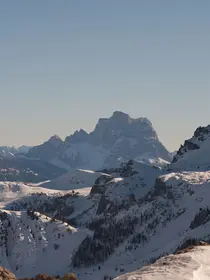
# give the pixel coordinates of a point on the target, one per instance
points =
(23, 169)
(114, 140)
(11, 151)
(104, 224)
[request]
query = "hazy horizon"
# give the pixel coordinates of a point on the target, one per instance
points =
(64, 136)
(64, 64)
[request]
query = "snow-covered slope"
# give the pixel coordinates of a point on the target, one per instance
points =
(114, 140)
(7, 151)
(11, 151)
(10, 191)
(32, 243)
(130, 218)
(85, 211)
(135, 224)
(74, 179)
(153, 161)
(190, 264)
(23, 149)
(195, 153)
(28, 237)
(54, 203)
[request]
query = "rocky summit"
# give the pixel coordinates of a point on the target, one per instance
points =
(114, 140)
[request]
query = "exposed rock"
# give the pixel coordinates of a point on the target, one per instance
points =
(99, 186)
(114, 140)
(194, 153)
(160, 187)
(189, 245)
(188, 146)
(6, 274)
(201, 218)
(200, 131)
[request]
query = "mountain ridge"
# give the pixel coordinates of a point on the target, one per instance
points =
(194, 154)
(114, 140)
(120, 219)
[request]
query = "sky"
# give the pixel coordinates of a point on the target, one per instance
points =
(64, 64)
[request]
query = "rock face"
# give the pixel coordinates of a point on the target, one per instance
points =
(195, 153)
(114, 140)
(47, 150)
(6, 274)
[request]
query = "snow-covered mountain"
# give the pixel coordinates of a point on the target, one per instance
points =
(7, 151)
(12, 151)
(74, 179)
(114, 140)
(120, 219)
(29, 238)
(15, 165)
(23, 149)
(79, 209)
(195, 153)
(189, 264)
(133, 216)
(12, 191)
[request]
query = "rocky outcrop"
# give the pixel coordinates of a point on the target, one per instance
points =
(6, 274)
(68, 276)
(194, 153)
(201, 218)
(201, 131)
(100, 184)
(189, 245)
(79, 136)
(188, 146)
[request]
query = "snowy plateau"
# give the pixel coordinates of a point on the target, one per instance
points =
(111, 204)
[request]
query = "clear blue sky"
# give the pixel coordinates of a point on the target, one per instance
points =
(64, 64)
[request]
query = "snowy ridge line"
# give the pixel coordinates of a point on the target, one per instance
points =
(194, 154)
(193, 263)
(129, 218)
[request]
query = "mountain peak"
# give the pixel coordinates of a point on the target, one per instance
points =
(114, 139)
(195, 152)
(78, 136)
(119, 114)
(55, 140)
